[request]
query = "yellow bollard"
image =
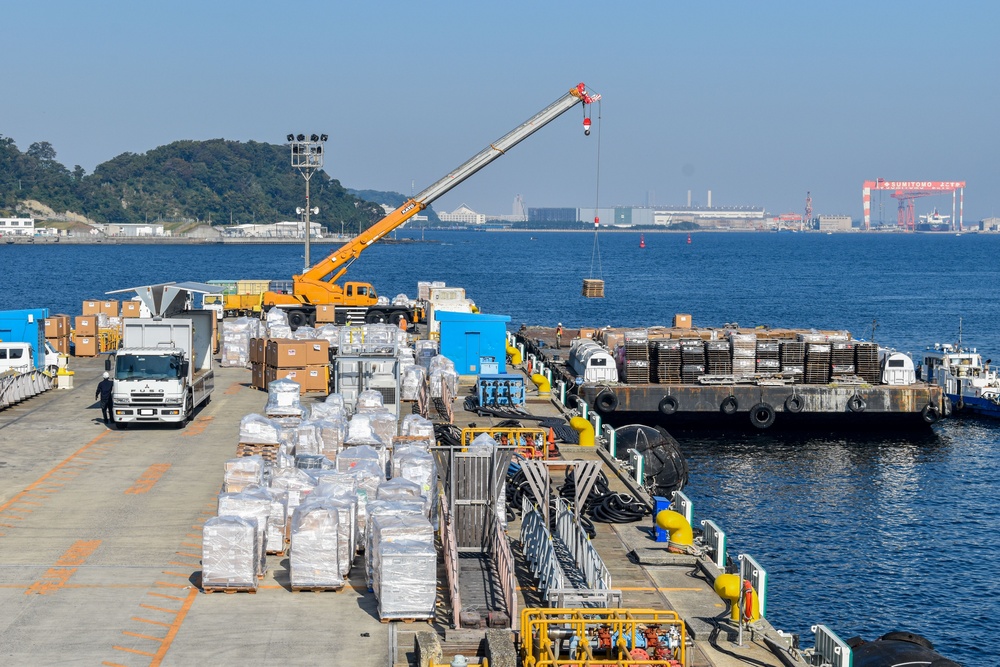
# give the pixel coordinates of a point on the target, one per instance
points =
(585, 429)
(544, 386)
(727, 587)
(678, 527)
(515, 355)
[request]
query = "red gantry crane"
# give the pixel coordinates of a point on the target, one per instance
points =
(907, 191)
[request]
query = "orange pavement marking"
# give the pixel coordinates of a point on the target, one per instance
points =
(146, 620)
(44, 479)
(57, 577)
(149, 478)
(132, 650)
(198, 427)
(136, 634)
(234, 388)
(174, 628)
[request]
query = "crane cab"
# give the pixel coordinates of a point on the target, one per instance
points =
(359, 294)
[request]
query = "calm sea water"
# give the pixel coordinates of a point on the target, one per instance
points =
(863, 535)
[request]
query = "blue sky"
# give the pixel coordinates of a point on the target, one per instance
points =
(758, 102)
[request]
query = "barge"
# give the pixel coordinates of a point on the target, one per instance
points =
(736, 379)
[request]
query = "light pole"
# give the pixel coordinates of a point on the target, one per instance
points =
(307, 156)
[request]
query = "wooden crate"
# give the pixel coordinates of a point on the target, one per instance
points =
(593, 288)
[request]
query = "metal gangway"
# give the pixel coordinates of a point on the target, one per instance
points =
(478, 559)
(18, 387)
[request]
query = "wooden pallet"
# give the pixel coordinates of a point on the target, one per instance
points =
(268, 452)
(408, 619)
(317, 589)
(229, 590)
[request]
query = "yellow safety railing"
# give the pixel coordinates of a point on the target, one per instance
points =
(109, 338)
(530, 442)
(592, 637)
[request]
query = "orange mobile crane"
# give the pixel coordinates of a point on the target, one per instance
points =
(317, 287)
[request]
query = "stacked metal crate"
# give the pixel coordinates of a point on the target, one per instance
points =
(718, 357)
(768, 356)
(637, 356)
(866, 362)
(666, 361)
(793, 359)
(842, 357)
(817, 358)
(744, 353)
(692, 360)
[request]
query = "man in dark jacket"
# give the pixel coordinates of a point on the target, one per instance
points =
(104, 393)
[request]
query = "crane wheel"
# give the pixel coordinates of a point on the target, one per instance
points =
(297, 318)
(376, 317)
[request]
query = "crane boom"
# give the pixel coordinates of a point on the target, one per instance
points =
(322, 275)
(317, 285)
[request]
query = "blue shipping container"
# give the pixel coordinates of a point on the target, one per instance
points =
(26, 326)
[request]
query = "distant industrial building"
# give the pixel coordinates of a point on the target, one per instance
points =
(989, 224)
(835, 223)
(137, 229)
(553, 215)
(17, 226)
(283, 229)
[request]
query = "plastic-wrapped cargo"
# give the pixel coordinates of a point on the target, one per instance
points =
(333, 406)
(296, 483)
(405, 355)
(402, 300)
(259, 430)
(351, 456)
(385, 425)
(417, 465)
(243, 472)
(279, 331)
(440, 379)
(331, 433)
(369, 401)
(368, 475)
(399, 488)
(252, 503)
(361, 432)
(277, 520)
(416, 425)
(414, 378)
(425, 352)
(236, 335)
(304, 333)
(315, 544)
(229, 553)
(483, 444)
(313, 462)
(307, 438)
(347, 516)
(276, 316)
(394, 508)
(283, 399)
(330, 333)
(404, 566)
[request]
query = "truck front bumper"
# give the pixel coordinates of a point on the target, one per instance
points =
(126, 414)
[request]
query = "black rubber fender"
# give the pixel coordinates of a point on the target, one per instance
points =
(729, 405)
(606, 401)
(762, 415)
(668, 405)
(913, 638)
(856, 404)
(930, 414)
(794, 404)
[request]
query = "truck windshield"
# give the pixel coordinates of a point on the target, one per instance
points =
(147, 367)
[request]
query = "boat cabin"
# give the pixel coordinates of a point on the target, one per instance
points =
(897, 368)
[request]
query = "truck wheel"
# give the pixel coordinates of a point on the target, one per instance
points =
(376, 317)
(297, 318)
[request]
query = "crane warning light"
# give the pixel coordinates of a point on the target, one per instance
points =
(597, 222)
(586, 126)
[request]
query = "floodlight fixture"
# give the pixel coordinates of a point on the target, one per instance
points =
(301, 137)
(323, 137)
(290, 137)
(314, 137)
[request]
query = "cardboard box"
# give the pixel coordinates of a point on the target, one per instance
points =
(86, 346)
(317, 352)
(326, 313)
(56, 326)
(588, 333)
(257, 376)
(60, 344)
(254, 353)
(85, 325)
(110, 308)
(91, 307)
(682, 321)
(131, 308)
(286, 353)
(313, 378)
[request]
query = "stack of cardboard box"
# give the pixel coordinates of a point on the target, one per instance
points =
(304, 361)
(85, 335)
(57, 328)
(89, 338)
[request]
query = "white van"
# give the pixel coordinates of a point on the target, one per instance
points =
(20, 357)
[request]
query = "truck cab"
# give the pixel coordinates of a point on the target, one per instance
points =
(20, 358)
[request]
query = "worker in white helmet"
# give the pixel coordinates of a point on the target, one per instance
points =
(103, 393)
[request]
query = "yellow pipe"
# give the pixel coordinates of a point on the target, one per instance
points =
(544, 386)
(677, 526)
(515, 355)
(585, 429)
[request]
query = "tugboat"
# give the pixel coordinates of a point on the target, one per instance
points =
(969, 383)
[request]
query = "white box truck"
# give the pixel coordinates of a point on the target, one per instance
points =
(163, 370)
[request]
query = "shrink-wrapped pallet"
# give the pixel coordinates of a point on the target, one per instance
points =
(258, 430)
(284, 399)
(275, 316)
(252, 503)
(330, 333)
(369, 401)
(296, 483)
(277, 520)
(334, 484)
(315, 541)
(331, 433)
(229, 553)
(351, 456)
(243, 472)
(347, 516)
(385, 425)
(361, 432)
(483, 444)
(311, 462)
(406, 356)
(368, 475)
(279, 331)
(304, 333)
(414, 378)
(328, 410)
(399, 488)
(404, 566)
(306, 438)
(385, 508)
(415, 425)
(417, 465)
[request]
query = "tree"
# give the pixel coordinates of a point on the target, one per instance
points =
(42, 150)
